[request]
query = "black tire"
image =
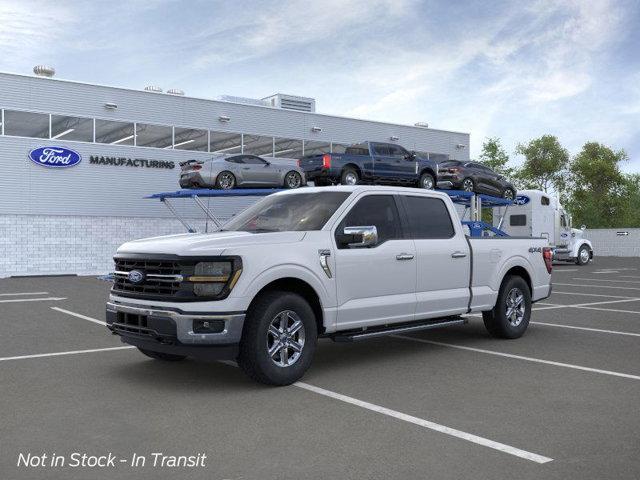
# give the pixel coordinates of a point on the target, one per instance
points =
(509, 194)
(291, 184)
(468, 185)
(582, 258)
(427, 181)
(346, 175)
(496, 320)
(221, 182)
(167, 357)
(254, 358)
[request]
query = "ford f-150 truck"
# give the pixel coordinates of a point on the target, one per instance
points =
(347, 263)
(371, 162)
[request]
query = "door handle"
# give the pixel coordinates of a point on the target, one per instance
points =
(404, 256)
(458, 255)
(246, 168)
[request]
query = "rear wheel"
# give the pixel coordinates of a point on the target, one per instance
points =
(225, 181)
(278, 339)
(167, 357)
(510, 316)
(468, 185)
(349, 177)
(427, 181)
(584, 255)
(292, 179)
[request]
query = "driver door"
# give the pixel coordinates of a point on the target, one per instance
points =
(257, 171)
(375, 285)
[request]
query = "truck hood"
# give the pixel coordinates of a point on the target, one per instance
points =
(207, 243)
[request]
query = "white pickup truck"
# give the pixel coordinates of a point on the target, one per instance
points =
(347, 263)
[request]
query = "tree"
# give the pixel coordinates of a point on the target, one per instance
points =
(600, 193)
(545, 164)
(495, 157)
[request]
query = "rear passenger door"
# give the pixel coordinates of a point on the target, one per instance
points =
(382, 162)
(442, 254)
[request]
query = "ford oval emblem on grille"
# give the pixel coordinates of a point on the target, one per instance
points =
(136, 277)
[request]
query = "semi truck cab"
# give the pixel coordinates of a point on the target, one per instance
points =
(536, 213)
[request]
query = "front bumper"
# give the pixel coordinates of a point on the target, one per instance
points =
(172, 330)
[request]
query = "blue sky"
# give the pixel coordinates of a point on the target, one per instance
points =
(515, 70)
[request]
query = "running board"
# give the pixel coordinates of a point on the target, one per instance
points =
(404, 328)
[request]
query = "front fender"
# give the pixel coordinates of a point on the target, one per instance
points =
(578, 244)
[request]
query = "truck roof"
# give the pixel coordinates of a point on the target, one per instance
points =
(363, 188)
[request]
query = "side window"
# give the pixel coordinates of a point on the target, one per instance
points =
(377, 210)
(563, 221)
(518, 220)
(381, 149)
(253, 160)
(235, 159)
(544, 200)
(396, 151)
(428, 218)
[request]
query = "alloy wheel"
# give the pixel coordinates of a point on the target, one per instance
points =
(226, 181)
(427, 182)
(508, 194)
(293, 180)
(514, 307)
(285, 338)
(584, 255)
(467, 185)
(351, 178)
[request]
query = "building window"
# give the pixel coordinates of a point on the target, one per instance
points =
(26, 124)
(312, 147)
(72, 128)
(257, 145)
(115, 133)
(157, 136)
(191, 139)
(338, 147)
(225, 143)
(287, 148)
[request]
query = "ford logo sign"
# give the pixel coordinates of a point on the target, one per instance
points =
(521, 200)
(55, 157)
(136, 277)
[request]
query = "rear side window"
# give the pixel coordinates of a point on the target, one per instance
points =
(377, 210)
(518, 220)
(360, 149)
(235, 159)
(428, 218)
(381, 149)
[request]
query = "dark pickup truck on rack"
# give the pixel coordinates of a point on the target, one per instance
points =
(371, 162)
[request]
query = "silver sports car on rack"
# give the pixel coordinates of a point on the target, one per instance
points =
(234, 171)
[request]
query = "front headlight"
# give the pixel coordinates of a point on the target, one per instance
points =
(210, 279)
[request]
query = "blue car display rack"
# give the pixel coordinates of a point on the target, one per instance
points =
(473, 203)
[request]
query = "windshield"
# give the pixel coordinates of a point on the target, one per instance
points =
(287, 213)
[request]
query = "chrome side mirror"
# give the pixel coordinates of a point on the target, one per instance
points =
(583, 227)
(359, 237)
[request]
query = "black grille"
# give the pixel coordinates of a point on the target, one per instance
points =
(150, 286)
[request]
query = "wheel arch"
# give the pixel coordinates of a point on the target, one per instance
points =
(430, 171)
(300, 287)
(354, 166)
(519, 271)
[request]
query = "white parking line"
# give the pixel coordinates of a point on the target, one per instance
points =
(610, 310)
(84, 317)
(606, 280)
(520, 357)
(593, 295)
(557, 270)
(58, 354)
(16, 300)
(23, 293)
(596, 286)
(426, 424)
(598, 330)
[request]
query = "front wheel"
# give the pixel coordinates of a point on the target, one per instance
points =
(584, 255)
(508, 194)
(292, 180)
(167, 357)
(427, 181)
(510, 316)
(279, 338)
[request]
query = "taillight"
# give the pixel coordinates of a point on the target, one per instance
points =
(326, 161)
(547, 254)
(298, 162)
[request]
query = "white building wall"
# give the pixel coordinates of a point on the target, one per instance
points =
(612, 242)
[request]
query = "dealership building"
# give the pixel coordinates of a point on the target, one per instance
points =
(129, 144)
